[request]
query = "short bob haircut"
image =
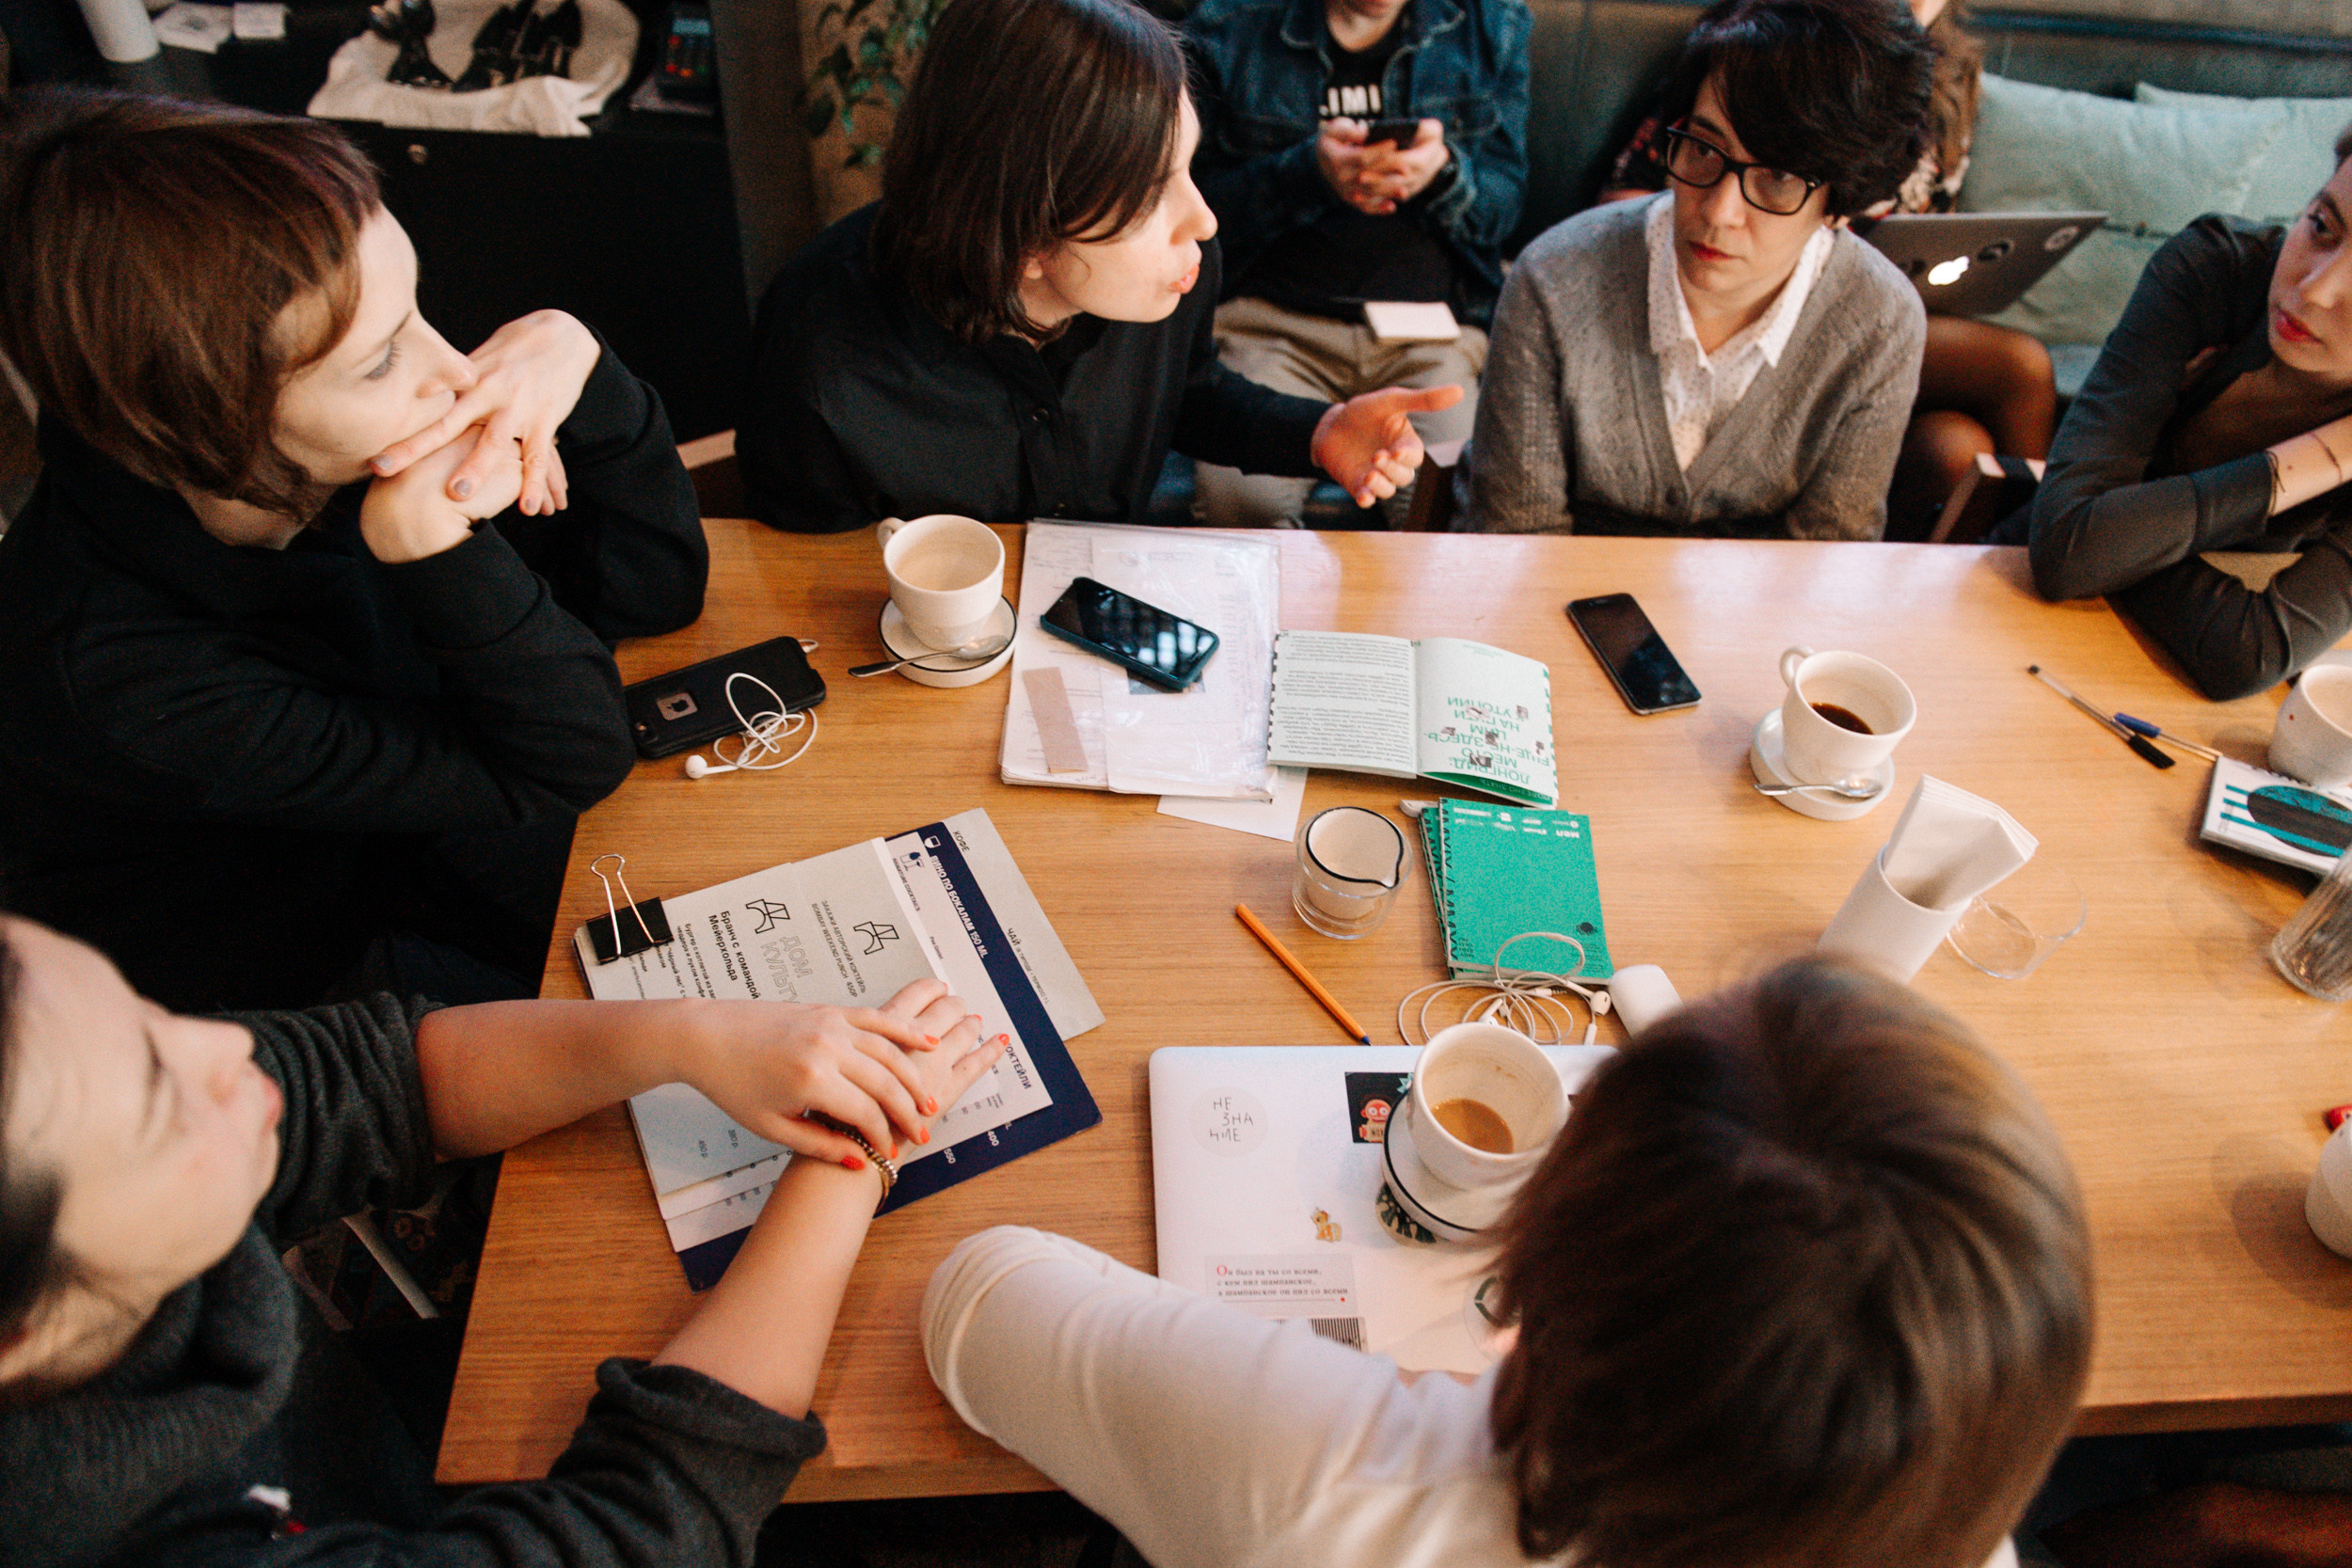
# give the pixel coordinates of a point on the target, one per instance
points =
(1806, 1281)
(148, 247)
(1841, 91)
(1030, 122)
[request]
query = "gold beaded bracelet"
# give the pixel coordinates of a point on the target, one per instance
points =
(882, 1163)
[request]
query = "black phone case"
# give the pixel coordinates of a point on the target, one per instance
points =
(678, 711)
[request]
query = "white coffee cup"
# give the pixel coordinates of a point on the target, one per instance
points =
(946, 573)
(1507, 1074)
(2312, 738)
(2327, 1202)
(1818, 750)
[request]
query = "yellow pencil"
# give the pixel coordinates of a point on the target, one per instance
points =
(1314, 987)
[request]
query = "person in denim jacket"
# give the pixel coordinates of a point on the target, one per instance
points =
(1355, 150)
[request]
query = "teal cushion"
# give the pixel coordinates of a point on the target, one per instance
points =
(2302, 158)
(2151, 168)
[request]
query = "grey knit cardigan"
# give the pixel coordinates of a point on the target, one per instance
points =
(1571, 433)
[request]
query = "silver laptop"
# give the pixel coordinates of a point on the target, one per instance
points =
(1266, 1183)
(1975, 263)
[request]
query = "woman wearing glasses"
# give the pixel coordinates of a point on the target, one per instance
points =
(1724, 358)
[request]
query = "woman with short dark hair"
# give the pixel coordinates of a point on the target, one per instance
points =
(2219, 417)
(304, 631)
(1726, 357)
(1804, 1280)
(1022, 326)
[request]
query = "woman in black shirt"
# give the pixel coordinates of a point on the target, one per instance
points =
(273, 688)
(1022, 327)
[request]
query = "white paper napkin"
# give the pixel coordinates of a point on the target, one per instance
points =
(1949, 846)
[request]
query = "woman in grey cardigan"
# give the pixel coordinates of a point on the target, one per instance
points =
(2219, 418)
(1724, 358)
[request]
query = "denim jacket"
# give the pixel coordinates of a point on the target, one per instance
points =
(1261, 71)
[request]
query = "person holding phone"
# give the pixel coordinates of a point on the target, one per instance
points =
(305, 631)
(1020, 326)
(1725, 358)
(168, 1399)
(1356, 151)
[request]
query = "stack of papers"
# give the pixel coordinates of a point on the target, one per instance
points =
(1077, 720)
(851, 928)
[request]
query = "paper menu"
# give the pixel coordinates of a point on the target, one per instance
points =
(1208, 739)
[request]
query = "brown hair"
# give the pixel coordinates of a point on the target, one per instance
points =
(1805, 1280)
(1030, 122)
(1959, 83)
(2343, 143)
(148, 247)
(33, 1268)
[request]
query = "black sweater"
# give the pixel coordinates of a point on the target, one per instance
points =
(2116, 516)
(862, 406)
(215, 760)
(153, 1464)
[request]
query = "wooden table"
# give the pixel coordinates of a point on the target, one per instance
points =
(2185, 1076)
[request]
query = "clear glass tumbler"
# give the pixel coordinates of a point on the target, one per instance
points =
(1350, 861)
(2314, 950)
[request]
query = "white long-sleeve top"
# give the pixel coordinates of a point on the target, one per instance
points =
(1210, 1438)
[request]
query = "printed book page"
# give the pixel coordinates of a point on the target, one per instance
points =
(1486, 720)
(1345, 700)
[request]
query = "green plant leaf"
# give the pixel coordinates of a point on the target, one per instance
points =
(865, 155)
(893, 92)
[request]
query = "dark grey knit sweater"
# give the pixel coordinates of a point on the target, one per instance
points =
(156, 1463)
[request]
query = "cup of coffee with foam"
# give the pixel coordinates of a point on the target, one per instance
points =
(1485, 1104)
(946, 575)
(1844, 714)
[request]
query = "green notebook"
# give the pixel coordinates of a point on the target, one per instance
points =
(1497, 871)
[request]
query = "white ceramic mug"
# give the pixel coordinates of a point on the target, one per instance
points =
(1506, 1072)
(2312, 738)
(1818, 750)
(946, 573)
(2327, 1202)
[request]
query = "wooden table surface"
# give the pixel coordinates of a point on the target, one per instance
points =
(2186, 1077)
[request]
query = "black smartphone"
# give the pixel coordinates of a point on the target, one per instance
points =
(1399, 133)
(675, 712)
(1644, 670)
(1164, 649)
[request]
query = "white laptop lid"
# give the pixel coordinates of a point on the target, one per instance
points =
(1264, 1187)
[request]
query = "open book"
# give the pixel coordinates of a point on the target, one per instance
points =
(1440, 708)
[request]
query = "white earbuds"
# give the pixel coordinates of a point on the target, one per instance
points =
(757, 749)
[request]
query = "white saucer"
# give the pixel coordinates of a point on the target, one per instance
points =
(927, 667)
(1446, 1209)
(1769, 760)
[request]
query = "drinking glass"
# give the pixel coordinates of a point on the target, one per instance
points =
(2314, 950)
(2009, 928)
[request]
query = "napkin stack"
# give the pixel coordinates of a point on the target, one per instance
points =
(1949, 847)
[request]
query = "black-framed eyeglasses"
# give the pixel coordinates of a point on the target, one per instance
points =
(1701, 164)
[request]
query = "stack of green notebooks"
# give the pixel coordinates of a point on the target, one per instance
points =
(1498, 871)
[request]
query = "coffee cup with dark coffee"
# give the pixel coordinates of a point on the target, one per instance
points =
(1844, 714)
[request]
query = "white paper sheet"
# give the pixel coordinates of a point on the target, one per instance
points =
(1275, 818)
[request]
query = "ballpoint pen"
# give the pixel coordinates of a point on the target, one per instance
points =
(2141, 726)
(2137, 742)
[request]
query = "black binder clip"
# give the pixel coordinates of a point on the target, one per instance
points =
(611, 938)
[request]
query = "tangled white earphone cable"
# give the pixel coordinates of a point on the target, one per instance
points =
(759, 746)
(1530, 1001)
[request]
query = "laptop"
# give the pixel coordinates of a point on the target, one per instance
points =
(1975, 263)
(1266, 1174)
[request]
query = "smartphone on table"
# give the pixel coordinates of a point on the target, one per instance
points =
(675, 712)
(1644, 671)
(1162, 648)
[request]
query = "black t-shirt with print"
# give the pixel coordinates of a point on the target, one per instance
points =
(1332, 265)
